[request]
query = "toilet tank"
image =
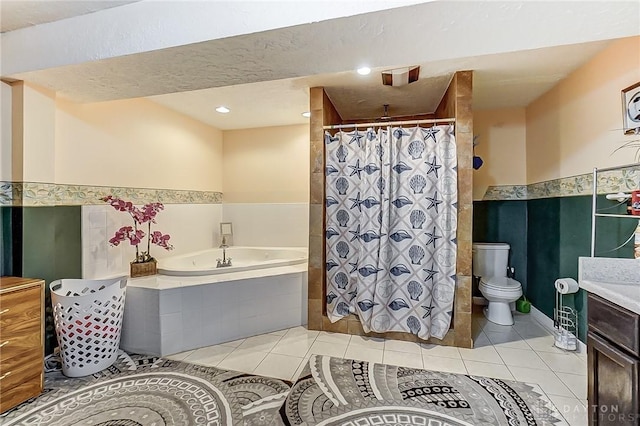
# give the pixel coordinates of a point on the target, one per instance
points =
(490, 259)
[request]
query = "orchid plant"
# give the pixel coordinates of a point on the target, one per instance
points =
(141, 216)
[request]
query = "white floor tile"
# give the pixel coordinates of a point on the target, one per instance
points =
(325, 336)
(486, 369)
(571, 409)
(440, 350)
(497, 328)
(532, 329)
(260, 343)
(438, 363)
(279, 332)
(364, 353)
(401, 346)
(510, 339)
(295, 345)
(482, 354)
(546, 379)
(234, 343)
(544, 344)
(301, 330)
(245, 360)
(403, 359)
(564, 363)
(211, 355)
(179, 357)
(521, 358)
(577, 383)
(481, 340)
(368, 342)
(278, 366)
(327, 348)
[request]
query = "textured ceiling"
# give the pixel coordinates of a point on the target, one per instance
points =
(21, 14)
(264, 76)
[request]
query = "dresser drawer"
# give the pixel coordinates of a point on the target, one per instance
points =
(16, 370)
(13, 344)
(19, 307)
(618, 325)
(30, 388)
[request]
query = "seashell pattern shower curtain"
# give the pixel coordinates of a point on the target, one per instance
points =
(391, 203)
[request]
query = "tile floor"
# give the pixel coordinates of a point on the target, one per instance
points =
(523, 352)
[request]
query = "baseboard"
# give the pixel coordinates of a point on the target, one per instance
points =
(547, 323)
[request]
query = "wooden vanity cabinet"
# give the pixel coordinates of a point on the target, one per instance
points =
(21, 340)
(613, 351)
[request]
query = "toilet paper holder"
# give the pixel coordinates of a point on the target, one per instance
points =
(565, 321)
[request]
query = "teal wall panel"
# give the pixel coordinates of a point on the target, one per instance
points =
(51, 250)
(6, 242)
(504, 222)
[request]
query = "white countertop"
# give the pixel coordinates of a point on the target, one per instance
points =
(616, 280)
(622, 294)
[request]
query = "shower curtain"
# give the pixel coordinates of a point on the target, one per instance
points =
(391, 203)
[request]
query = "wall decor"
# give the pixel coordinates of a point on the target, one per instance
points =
(631, 110)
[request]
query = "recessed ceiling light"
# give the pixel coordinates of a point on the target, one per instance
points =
(306, 114)
(223, 109)
(364, 70)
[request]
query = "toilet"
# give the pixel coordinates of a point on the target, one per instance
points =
(490, 264)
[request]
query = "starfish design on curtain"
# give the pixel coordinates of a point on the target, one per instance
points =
(357, 169)
(433, 166)
(434, 202)
(430, 273)
(432, 237)
(427, 311)
(356, 137)
(430, 132)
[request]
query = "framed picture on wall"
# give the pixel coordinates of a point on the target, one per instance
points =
(631, 109)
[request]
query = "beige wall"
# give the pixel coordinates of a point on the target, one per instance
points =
(135, 143)
(32, 133)
(267, 165)
(578, 124)
(5, 132)
(502, 146)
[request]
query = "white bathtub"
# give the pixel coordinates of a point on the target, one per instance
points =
(193, 304)
(243, 259)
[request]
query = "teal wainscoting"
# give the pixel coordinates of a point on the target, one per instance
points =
(505, 222)
(6, 241)
(547, 236)
(42, 242)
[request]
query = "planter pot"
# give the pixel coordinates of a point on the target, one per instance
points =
(143, 269)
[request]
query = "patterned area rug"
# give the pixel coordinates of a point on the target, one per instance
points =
(142, 390)
(334, 391)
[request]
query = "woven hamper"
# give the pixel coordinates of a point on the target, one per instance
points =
(88, 321)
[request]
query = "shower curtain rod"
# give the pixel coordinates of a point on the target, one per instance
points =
(391, 123)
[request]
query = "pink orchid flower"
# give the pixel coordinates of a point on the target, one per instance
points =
(146, 214)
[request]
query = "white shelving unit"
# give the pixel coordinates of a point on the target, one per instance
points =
(594, 197)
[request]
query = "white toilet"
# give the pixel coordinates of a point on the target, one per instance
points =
(490, 264)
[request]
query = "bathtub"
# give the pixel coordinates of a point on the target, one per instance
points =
(243, 259)
(192, 304)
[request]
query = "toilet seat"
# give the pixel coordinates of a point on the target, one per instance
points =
(500, 284)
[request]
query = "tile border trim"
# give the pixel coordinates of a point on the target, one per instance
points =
(54, 194)
(620, 180)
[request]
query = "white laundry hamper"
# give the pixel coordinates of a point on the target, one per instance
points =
(88, 320)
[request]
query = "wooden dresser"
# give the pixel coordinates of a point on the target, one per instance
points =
(21, 340)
